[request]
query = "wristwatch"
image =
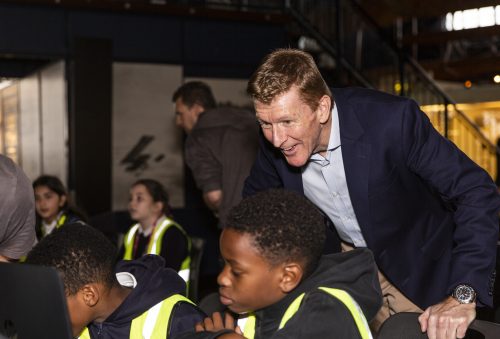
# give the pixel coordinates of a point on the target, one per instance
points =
(464, 294)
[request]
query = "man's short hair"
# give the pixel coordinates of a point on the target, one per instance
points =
(195, 92)
(285, 227)
(283, 69)
(81, 253)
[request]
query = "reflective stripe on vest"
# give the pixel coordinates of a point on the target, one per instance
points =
(154, 245)
(59, 223)
(154, 322)
(247, 324)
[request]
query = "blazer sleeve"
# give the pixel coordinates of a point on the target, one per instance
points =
(264, 174)
(470, 192)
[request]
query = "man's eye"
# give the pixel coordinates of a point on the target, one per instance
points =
(264, 125)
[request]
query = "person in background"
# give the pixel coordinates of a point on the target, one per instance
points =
(17, 212)
(134, 299)
(388, 181)
(155, 231)
(53, 209)
(220, 147)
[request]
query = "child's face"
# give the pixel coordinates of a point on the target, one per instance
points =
(48, 203)
(141, 206)
(247, 282)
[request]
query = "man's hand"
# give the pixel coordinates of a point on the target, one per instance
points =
(213, 199)
(448, 319)
(215, 323)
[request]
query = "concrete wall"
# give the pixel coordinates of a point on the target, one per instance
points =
(142, 108)
(43, 123)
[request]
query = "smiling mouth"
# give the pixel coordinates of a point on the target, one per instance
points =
(288, 150)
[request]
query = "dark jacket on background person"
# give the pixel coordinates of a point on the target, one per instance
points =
(428, 213)
(154, 284)
(220, 151)
(321, 315)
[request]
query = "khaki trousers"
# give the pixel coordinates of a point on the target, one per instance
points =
(393, 301)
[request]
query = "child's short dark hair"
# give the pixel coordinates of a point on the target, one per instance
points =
(81, 253)
(285, 227)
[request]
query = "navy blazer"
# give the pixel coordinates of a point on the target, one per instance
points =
(428, 213)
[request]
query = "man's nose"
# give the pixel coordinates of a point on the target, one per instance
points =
(279, 136)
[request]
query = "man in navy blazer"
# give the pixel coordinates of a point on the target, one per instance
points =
(373, 163)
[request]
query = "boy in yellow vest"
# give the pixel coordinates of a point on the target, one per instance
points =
(136, 299)
(276, 279)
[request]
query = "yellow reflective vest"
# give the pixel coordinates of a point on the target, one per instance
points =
(154, 323)
(155, 241)
(60, 221)
(248, 323)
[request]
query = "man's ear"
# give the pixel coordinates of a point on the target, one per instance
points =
(90, 294)
(197, 109)
(324, 109)
(291, 276)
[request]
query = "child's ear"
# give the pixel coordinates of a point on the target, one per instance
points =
(292, 275)
(159, 206)
(62, 200)
(90, 294)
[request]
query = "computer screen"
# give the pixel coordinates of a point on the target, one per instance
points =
(32, 303)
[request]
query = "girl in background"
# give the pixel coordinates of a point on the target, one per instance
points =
(52, 207)
(155, 231)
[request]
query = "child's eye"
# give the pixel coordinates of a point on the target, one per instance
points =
(235, 273)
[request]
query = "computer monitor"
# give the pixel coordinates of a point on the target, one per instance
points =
(32, 303)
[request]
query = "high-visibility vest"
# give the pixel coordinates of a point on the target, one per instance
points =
(155, 241)
(247, 324)
(60, 222)
(152, 324)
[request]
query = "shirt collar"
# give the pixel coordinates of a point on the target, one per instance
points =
(149, 230)
(334, 141)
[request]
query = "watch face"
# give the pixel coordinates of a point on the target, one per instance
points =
(464, 294)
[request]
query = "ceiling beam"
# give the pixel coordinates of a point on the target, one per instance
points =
(473, 68)
(385, 12)
(438, 38)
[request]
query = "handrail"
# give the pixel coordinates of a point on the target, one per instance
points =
(327, 46)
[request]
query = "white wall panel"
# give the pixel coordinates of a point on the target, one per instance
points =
(29, 126)
(54, 121)
(142, 107)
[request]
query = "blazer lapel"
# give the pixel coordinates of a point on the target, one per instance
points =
(356, 156)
